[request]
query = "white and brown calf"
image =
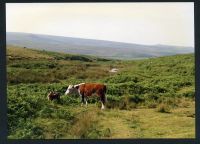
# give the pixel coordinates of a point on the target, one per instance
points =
(53, 95)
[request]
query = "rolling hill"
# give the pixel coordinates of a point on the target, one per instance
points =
(100, 48)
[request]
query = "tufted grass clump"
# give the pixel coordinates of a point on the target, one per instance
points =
(163, 108)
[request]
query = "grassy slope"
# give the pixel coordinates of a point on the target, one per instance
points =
(147, 123)
(157, 83)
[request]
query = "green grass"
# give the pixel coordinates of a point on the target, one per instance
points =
(148, 123)
(151, 98)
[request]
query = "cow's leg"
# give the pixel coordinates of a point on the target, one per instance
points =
(86, 101)
(82, 100)
(82, 97)
(102, 105)
(102, 97)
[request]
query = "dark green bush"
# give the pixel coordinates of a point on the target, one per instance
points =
(28, 130)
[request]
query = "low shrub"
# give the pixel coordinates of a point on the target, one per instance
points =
(27, 130)
(85, 125)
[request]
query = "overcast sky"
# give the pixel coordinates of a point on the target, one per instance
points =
(141, 23)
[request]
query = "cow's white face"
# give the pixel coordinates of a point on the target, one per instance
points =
(71, 89)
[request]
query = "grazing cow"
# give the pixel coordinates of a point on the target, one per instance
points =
(53, 95)
(85, 90)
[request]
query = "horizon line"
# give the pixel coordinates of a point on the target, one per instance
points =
(102, 40)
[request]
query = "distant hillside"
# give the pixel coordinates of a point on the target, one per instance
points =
(100, 48)
(19, 53)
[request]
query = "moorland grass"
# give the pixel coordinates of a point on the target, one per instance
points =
(151, 98)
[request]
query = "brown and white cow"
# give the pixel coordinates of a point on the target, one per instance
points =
(85, 90)
(53, 95)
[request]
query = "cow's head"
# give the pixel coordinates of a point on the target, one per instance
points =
(71, 89)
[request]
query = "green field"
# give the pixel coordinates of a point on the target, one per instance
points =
(151, 98)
